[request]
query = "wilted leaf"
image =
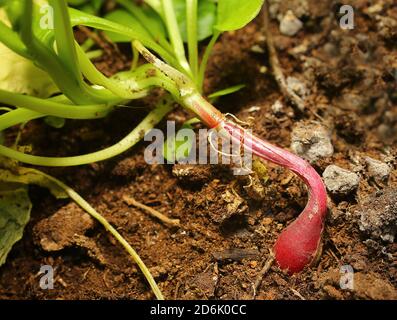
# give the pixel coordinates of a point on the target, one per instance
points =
(31, 176)
(20, 75)
(15, 207)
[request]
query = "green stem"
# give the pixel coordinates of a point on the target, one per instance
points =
(205, 59)
(11, 40)
(191, 17)
(102, 220)
(56, 109)
(189, 97)
(94, 54)
(17, 116)
(87, 45)
(84, 19)
(153, 118)
(175, 35)
(135, 58)
(64, 37)
(74, 88)
(96, 77)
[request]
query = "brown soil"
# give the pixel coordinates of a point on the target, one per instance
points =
(226, 232)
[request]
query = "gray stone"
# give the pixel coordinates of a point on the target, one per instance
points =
(290, 24)
(377, 169)
(340, 181)
(277, 107)
(297, 86)
(312, 141)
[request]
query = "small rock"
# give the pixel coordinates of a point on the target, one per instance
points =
(340, 181)
(257, 49)
(297, 86)
(377, 169)
(378, 216)
(277, 107)
(312, 141)
(290, 24)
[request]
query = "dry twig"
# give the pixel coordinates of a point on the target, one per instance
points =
(262, 273)
(170, 222)
(275, 64)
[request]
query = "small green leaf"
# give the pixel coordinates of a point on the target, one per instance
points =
(206, 15)
(235, 14)
(226, 91)
(92, 7)
(175, 149)
(55, 122)
(15, 207)
(125, 18)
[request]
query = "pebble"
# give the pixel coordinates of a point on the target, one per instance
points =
(312, 141)
(277, 107)
(290, 24)
(297, 86)
(377, 169)
(340, 181)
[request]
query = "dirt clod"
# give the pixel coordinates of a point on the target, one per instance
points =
(58, 231)
(378, 215)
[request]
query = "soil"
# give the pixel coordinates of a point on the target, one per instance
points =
(227, 231)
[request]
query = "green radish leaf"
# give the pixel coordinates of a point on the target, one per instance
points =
(144, 16)
(235, 14)
(125, 18)
(92, 7)
(176, 150)
(226, 91)
(77, 3)
(15, 207)
(55, 122)
(206, 18)
(82, 18)
(155, 22)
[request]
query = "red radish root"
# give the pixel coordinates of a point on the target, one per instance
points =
(299, 243)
